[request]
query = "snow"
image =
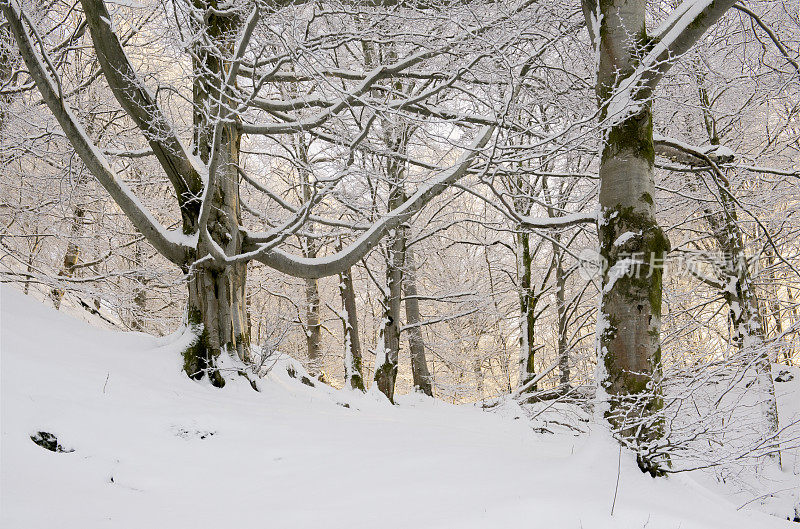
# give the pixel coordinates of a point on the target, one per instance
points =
(155, 449)
(560, 221)
(625, 237)
(620, 269)
(622, 103)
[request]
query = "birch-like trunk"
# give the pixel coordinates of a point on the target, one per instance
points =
(71, 255)
(527, 317)
(631, 241)
(353, 374)
(386, 367)
(738, 290)
(419, 366)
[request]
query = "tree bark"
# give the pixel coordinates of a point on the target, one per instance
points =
(749, 333)
(386, 366)
(352, 349)
(71, 255)
(216, 307)
(561, 312)
(793, 324)
(420, 374)
(8, 63)
(313, 326)
(631, 242)
(386, 363)
(738, 290)
(527, 303)
(562, 351)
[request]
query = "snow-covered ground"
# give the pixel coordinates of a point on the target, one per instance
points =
(154, 449)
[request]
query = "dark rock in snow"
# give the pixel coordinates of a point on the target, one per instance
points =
(49, 441)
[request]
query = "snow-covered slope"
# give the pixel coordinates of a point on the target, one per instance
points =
(154, 449)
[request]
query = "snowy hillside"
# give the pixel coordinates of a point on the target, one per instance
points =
(150, 448)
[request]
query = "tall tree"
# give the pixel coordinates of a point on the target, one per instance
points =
(212, 247)
(420, 374)
(630, 65)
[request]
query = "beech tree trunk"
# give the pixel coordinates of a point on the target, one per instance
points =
(216, 307)
(352, 348)
(631, 241)
(527, 303)
(738, 290)
(396, 138)
(386, 363)
(71, 255)
(313, 327)
(416, 345)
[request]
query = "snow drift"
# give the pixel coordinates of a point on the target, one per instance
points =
(144, 446)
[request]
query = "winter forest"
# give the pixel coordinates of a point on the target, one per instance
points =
(472, 263)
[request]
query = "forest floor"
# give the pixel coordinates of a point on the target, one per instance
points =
(144, 446)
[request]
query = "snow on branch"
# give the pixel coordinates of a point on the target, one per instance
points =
(324, 266)
(173, 245)
(692, 155)
(675, 36)
(182, 168)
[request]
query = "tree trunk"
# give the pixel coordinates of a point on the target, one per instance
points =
(387, 359)
(507, 365)
(396, 138)
(561, 311)
(216, 308)
(386, 365)
(140, 296)
(562, 352)
(71, 256)
(353, 374)
(738, 290)
(313, 328)
(527, 302)
(774, 305)
(631, 242)
(478, 378)
(749, 333)
(419, 366)
(9, 62)
(793, 324)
